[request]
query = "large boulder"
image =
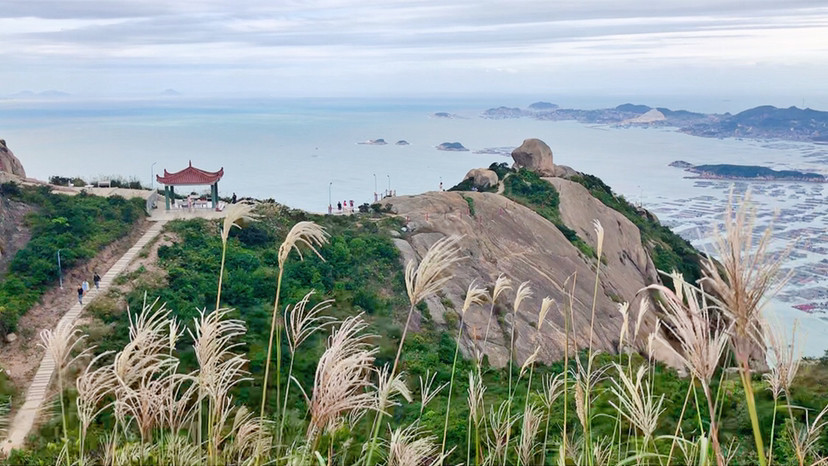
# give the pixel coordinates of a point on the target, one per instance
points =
(535, 155)
(9, 163)
(482, 177)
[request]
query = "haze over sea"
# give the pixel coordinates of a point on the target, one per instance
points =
(294, 151)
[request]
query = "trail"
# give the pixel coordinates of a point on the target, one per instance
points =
(38, 388)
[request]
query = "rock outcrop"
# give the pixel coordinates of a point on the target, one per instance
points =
(502, 236)
(535, 155)
(9, 163)
(482, 177)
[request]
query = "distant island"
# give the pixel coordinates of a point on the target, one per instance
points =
(444, 115)
(402, 142)
(452, 146)
(747, 172)
(764, 122)
(374, 142)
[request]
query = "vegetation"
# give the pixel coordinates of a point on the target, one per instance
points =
(526, 187)
(373, 392)
(77, 226)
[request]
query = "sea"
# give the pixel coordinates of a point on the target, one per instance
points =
(310, 153)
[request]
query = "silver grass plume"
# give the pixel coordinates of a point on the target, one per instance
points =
(410, 446)
(427, 393)
(237, 215)
(304, 233)
(635, 401)
(343, 377)
(302, 323)
(431, 274)
(527, 447)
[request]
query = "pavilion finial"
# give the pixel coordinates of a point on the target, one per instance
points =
(191, 163)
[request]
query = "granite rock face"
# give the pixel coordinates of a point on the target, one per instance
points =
(482, 177)
(9, 163)
(535, 155)
(505, 237)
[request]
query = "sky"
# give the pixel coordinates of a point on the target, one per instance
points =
(331, 48)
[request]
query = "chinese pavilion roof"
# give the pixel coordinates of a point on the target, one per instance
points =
(190, 175)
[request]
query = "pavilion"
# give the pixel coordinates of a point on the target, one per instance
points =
(187, 177)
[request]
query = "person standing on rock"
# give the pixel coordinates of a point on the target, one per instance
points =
(233, 199)
(97, 279)
(80, 295)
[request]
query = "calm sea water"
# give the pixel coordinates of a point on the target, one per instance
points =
(300, 152)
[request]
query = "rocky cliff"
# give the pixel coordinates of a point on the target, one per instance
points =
(501, 236)
(9, 163)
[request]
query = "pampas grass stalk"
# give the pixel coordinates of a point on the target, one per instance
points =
(502, 285)
(421, 281)
(523, 292)
(342, 382)
(236, 215)
(59, 345)
(746, 280)
(303, 234)
(599, 232)
(301, 324)
(93, 386)
(474, 295)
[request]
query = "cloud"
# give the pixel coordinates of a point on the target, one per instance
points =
(402, 40)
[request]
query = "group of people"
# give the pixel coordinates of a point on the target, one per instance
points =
(84, 287)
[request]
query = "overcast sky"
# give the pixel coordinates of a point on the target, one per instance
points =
(407, 48)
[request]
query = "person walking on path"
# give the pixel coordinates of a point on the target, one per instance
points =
(85, 286)
(80, 295)
(233, 199)
(97, 280)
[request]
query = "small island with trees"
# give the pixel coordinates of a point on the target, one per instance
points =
(747, 172)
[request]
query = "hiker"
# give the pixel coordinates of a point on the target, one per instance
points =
(97, 280)
(339, 206)
(85, 286)
(233, 199)
(80, 295)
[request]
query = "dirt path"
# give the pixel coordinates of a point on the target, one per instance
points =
(37, 391)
